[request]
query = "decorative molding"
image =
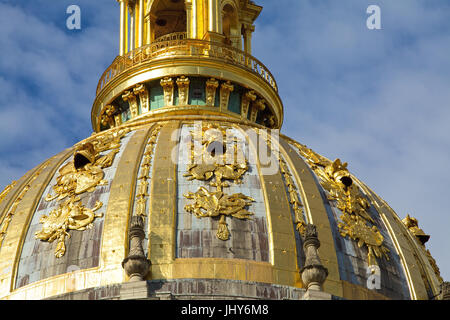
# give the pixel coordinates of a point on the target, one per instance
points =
(130, 97)
(144, 97)
(144, 177)
(211, 88)
(4, 225)
(257, 106)
(183, 90)
(167, 84)
(248, 97)
(225, 90)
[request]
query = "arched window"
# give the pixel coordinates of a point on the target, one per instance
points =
(230, 26)
(168, 17)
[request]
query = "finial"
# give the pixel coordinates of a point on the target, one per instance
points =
(313, 273)
(136, 265)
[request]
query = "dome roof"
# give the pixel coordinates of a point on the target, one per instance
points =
(187, 183)
(66, 222)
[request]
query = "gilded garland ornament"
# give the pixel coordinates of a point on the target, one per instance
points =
(218, 167)
(294, 197)
(83, 174)
(144, 177)
(356, 223)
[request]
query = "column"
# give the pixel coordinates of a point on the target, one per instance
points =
(141, 23)
(131, 10)
(189, 20)
(248, 30)
(122, 44)
(212, 15)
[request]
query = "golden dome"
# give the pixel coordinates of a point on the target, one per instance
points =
(186, 139)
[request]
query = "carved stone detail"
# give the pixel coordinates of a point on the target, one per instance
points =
(136, 264)
(167, 84)
(248, 98)
(107, 116)
(313, 273)
(211, 88)
(183, 90)
(257, 106)
(131, 98)
(144, 97)
(225, 91)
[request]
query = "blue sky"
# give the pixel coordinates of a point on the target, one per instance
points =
(378, 99)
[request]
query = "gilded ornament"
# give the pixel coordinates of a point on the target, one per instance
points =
(4, 225)
(217, 203)
(83, 174)
(7, 189)
(412, 224)
(70, 215)
(211, 88)
(357, 229)
(131, 98)
(225, 91)
(142, 190)
(294, 198)
(356, 223)
(183, 90)
(167, 84)
(144, 97)
(248, 98)
(257, 106)
(107, 116)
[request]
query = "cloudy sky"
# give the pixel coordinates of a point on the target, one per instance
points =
(378, 99)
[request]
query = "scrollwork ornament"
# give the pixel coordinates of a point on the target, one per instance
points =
(217, 170)
(357, 224)
(84, 173)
